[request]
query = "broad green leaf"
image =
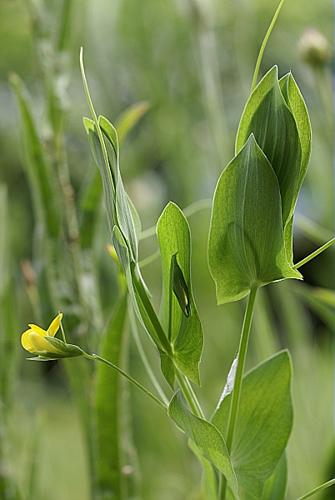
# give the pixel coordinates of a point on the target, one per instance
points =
(206, 437)
(268, 117)
(40, 174)
(107, 411)
(275, 486)
(246, 241)
(179, 313)
(263, 424)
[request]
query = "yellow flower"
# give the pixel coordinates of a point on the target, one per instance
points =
(35, 339)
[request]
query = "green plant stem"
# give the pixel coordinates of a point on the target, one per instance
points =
(96, 357)
(264, 44)
(64, 31)
(241, 357)
(312, 230)
(189, 394)
(314, 254)
(144, 358)
(318, 489)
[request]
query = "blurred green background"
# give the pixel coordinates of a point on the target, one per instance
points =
(192, 62)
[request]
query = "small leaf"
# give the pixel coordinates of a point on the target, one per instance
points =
(129, 118)
(263, 424)
(179, 314)
(246, 241)
(206, 437)
(180, 288)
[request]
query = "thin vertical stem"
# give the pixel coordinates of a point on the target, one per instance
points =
(241, 357)
(242, 352)
(264, 44)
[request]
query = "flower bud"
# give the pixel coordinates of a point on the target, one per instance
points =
(314, 48)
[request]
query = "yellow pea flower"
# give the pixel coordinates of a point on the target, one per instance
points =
(42, 343)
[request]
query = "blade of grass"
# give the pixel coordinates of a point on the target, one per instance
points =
(107, 409)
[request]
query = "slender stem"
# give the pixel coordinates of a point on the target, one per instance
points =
(194, 397)
(146, 391)
(314, 254)
(264, 44)
(241, 357)
(318, 489)
(144, 358)
(189, 395)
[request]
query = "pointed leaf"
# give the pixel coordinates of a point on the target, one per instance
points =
(268, 117)
(246, 242)
(179, 313)
(263, 424)
(206, 437)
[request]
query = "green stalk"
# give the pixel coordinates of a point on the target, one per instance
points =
(144, 358)
(264, 44)
(318, 489)
(241, 357)
(189, 395)
(96, 357)
(315, 253)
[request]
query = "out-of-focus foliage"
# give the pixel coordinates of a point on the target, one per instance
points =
(192, 62)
